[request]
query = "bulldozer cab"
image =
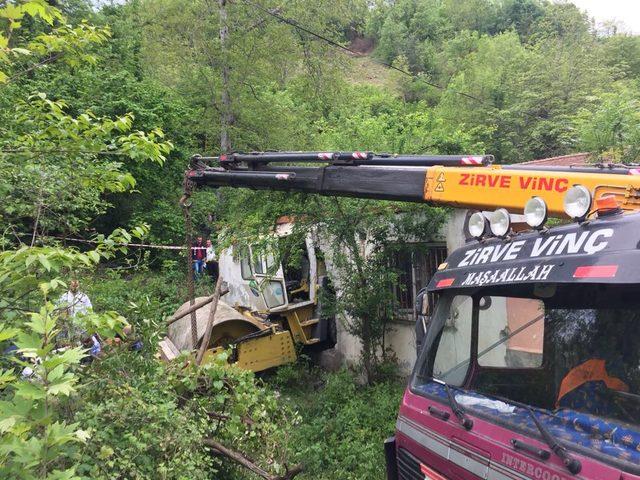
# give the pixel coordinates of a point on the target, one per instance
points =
(271, 282)
(255, 280)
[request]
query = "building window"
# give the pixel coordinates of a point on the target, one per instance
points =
(415, 266)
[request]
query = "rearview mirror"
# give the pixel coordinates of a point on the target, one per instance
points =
(422, 307)
(423, 312)
(425, 308)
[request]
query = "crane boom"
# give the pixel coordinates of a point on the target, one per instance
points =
(467, 181)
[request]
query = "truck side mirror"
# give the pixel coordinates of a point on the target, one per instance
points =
(423, 313)
(425, 307)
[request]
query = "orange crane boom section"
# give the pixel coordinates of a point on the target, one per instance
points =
(491, 187)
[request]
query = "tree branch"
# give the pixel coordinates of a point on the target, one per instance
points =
(52, 58)
(249, 464)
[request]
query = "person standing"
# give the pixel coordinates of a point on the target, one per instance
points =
(74, 302)
(71, 304)
(212, 262)
(198, 252)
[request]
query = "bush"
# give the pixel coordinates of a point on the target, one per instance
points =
(137, 426)
(147, 419)
(343, 425)
(146, 298)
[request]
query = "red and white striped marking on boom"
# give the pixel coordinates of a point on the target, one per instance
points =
(471, 160)
(325, 155)
(359, 155)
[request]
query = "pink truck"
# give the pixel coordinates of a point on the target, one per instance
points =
(530, 362)
(529, 358)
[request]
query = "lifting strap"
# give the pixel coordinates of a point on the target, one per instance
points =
(185, 203)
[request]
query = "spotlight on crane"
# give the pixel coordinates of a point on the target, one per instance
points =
(477, 225)
(500, 222)
(535, 212)
(577, 202)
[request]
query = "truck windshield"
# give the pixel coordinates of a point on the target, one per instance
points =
(576, 349)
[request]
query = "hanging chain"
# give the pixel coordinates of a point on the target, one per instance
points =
(185, 203)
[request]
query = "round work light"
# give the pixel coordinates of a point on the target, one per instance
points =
(535, 212)
(500, 222)
(577, 202)
(477, 224)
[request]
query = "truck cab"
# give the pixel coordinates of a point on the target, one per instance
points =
(530, 364)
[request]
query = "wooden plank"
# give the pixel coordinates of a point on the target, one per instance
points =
(212, 313)
(168, 350)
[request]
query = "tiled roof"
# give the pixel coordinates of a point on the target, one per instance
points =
(562, 161)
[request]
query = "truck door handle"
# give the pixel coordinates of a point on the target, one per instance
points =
(541, 453)
(441, 414)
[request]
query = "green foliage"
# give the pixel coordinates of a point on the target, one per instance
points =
(524, 71)
(127, 414)
(342, 424)
(58, 165)
(28, 272)
(146, 298)
(622, 54)
(148, 419)
(35, 442)
(66, 161)
(613, 129)
(57, 41)
(139, 418)
(371, 120)
(138, 427)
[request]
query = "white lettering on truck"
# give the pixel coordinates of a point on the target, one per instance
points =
(569, 243)
(506, 275)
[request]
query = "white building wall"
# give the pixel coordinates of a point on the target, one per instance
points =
(401, 337)
(454, 229)
(402, 341)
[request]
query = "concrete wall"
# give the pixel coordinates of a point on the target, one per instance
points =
(401, 338)
(454, 229)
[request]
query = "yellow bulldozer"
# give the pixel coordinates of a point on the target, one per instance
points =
(270, 310)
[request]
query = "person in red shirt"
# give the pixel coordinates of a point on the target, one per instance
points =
(198, 253)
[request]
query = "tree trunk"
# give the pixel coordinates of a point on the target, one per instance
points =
(226, 118)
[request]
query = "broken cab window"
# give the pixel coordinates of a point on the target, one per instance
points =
(510, 332)
(245, 268)
(274, 294)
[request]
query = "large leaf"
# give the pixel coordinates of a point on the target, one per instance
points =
(71, 356)
(30, 391)
(6, 424)
(28, 343)
(7, 333)
(63, 385)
